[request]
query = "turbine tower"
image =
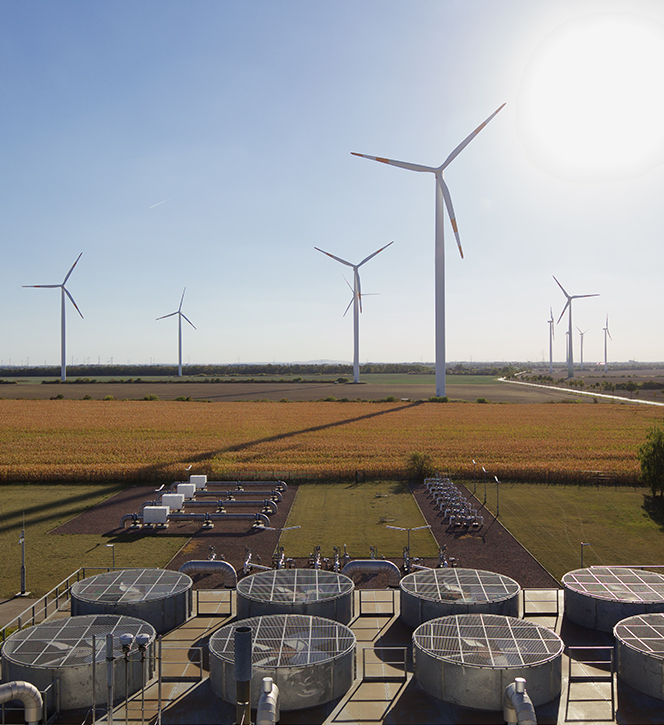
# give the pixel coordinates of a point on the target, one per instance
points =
(442, 197)
(551, 336)
(63, 292)
(570, 345)
(606, 333)
(356, 301)
(180, 315)
(582, 333)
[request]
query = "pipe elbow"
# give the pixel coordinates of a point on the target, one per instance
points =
(28, 694)
(517, 705)
(268, 703)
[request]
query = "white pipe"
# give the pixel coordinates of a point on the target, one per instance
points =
(212, 566)
(28, 694)
(517, 705)
(268, 703)
(374, 566)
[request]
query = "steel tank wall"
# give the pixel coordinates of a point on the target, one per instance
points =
(75, 682)
(603, 614)
(483, 688)
(638, 670)
(415, 610)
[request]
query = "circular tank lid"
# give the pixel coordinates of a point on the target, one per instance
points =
(487, 640)
(294, 586)
(462, 586)
(131, 585)
(617, 583)
(643, 632)
(68, 642)
(286, 640)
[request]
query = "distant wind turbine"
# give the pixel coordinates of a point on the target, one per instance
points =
(356, 301)
(606, 333)
(63, 292)
(442, 197)
(180, 315)
(551, 337)
(582, 333)
(570, 344)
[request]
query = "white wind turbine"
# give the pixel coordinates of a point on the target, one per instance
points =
(570, 344)
(581, 333)
(606, 333)
(442, 197)
(551, 337)
(63, 292)
(180, 315)
(356, 301)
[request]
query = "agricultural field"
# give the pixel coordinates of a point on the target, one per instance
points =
(50, 558)
(155, 441)
(356, 515)
(552, 521)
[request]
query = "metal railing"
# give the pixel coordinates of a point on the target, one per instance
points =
(602, 671)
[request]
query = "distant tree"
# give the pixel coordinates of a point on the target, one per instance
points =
(651, 458)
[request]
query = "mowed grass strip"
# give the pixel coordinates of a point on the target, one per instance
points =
(98, 441)
(49, 558)
(356, 515)
(552, 521)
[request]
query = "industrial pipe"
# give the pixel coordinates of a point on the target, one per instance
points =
(268, 703)
(28, 694)
(261, 519)
(267, 503)
(517, 705)
(212, 566)
(280, 485)
(374, 566)
(274, 494)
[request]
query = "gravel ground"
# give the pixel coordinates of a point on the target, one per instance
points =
(492, 548)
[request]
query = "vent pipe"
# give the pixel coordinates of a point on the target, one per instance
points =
(29, 695)
(517, 705)
(268, 703)
(212, 566)
(243, 672)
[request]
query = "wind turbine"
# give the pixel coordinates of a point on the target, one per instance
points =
(442, 196)
(180, 315)
(570, 345)
(356, 301)
(582, 333)
(606, 332)
(551, 337)
(63, 292)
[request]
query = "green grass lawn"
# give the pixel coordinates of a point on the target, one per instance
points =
(52, 557)
(356, 515)
(552, 521)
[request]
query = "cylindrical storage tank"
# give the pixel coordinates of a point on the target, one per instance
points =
(296, 591)
(62, 649)
(310, 659)
(601, 596)
(469, 659)
(640, 653)
(431, 593)
(159, 596)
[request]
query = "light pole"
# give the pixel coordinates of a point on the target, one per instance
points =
(112, 546)
(21, 541)
(474, 476)
(497, 496)
(583, 543)
(484, 476)
(413, 528)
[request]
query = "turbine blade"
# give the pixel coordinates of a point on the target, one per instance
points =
(188, 320)
(72, 268)
(343, 261)
(349, 304)
(400, 164)
(561, 287)
(564, 308)
(366, 259)
(577, 297)
(350, 286)
(182, 298)
(359, 288)
(163, 317)
(467, 140)
(71, 299)
(44, 286)
(450, 210)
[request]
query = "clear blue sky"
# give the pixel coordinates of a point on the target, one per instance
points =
(207, 145)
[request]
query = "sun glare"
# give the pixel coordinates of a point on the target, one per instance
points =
(590, 106)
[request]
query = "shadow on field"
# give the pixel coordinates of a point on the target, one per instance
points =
(209, 455)
(654, 507)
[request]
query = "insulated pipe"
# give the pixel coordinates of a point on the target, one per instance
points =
(374, 566)
(243, 671)
(265, 494)
(212, 566)
(281, 485)
(517, 705)
(268, 703)
(259, 518)
(28, 694)
(267, 503)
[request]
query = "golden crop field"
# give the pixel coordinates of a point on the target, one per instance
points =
(67, 440)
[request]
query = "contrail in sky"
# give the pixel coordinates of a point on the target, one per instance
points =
(160, 202)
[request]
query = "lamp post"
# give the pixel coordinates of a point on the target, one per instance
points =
(484, 476)
(112, 546)
(21, 541)
(583, 543)
(413, 528)
(497, 496)
(474, 476)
